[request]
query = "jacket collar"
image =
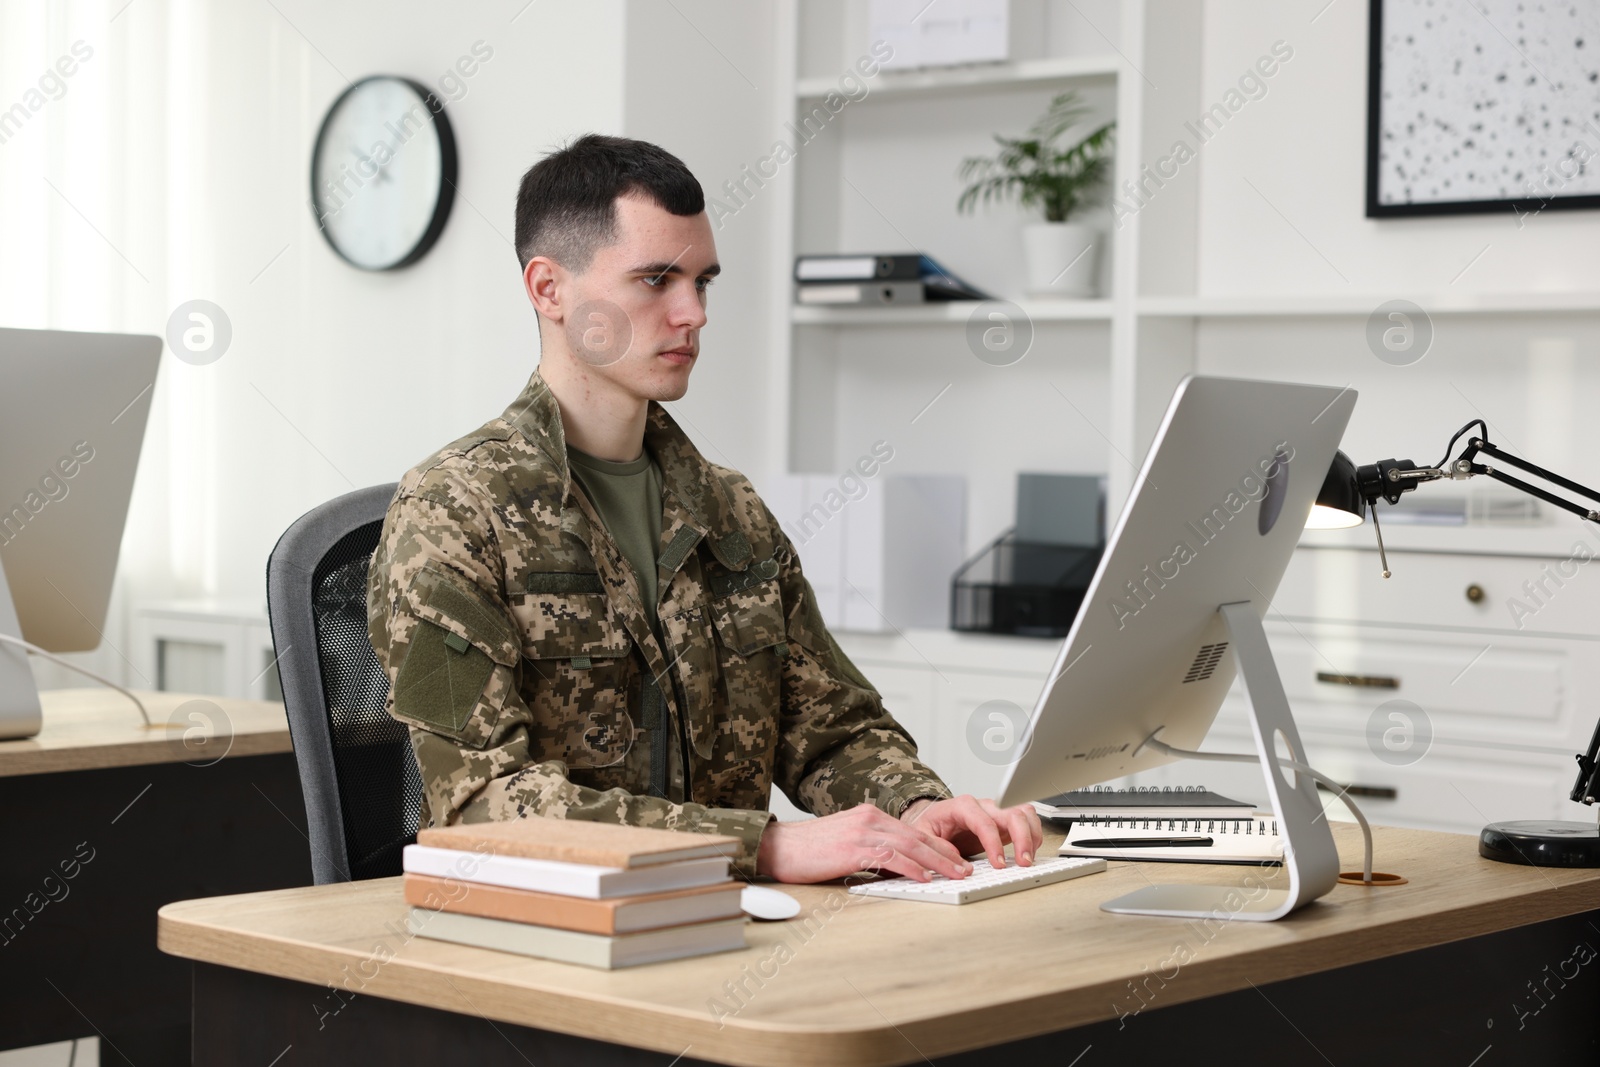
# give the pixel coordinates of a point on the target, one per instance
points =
(685, 474)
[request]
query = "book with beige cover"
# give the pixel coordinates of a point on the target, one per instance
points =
(574, 841)
(568, 946)
(617, 916)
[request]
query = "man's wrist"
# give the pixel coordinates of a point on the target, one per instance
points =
(915, 805)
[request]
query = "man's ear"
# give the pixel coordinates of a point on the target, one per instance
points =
(545, 282)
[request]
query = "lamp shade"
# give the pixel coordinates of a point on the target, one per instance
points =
(1339, 504)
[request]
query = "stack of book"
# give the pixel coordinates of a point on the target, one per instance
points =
(580, 892)
(1165, 825)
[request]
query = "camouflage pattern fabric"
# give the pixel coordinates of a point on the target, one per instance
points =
(520, 656)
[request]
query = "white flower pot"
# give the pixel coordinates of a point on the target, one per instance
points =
(1063, 258)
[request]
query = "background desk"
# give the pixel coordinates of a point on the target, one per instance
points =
(162, 814)
(885, 982)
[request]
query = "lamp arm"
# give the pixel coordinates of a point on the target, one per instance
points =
(1586, 790)
(1388, 479)
(1477, 445)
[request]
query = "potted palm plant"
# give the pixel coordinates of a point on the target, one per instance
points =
(1062, 256)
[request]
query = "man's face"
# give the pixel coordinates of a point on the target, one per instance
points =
(634, 317)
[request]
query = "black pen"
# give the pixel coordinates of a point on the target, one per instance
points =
(1142, 842)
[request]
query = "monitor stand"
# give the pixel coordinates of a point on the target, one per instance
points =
(20, 713)
(1309, 855)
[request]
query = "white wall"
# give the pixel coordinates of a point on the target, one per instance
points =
(699, 82)
(1303, 146)
(185, 141)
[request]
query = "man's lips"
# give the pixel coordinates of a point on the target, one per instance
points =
(678, 355)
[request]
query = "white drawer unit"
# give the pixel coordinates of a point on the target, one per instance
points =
(210, 647)
(977, 734)
(1485, 689)
(1445, 707)
(1529, 595)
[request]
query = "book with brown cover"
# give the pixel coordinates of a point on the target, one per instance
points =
(595, 844)
(619, 915)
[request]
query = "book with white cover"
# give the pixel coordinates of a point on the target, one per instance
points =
(554, 876)
(568, 946)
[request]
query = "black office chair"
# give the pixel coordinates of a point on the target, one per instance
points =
(362, 790)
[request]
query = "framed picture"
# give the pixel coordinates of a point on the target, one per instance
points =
(1482, 105)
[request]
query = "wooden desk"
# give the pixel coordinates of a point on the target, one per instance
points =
(89, 729)
(140, 817)
(880, 982)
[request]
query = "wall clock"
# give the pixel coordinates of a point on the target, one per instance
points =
(383, 172)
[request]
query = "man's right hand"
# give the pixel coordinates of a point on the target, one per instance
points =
(861, 838)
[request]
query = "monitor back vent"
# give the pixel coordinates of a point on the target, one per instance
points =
(1205, 662)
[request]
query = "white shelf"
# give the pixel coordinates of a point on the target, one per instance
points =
(1365, 304)
(954, 311)
(1017, 74)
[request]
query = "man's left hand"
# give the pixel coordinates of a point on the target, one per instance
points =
(970, 823)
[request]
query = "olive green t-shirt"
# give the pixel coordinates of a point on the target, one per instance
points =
(628, 498)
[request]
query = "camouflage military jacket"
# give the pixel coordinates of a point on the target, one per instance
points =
(520, 657)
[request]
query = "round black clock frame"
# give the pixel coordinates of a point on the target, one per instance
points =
(447, 171)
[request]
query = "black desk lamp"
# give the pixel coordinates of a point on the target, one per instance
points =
(1349, 491)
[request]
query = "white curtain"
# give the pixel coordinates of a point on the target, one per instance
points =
(102, 224)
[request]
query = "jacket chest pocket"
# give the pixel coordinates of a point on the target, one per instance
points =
(577, 676)
(751, 644)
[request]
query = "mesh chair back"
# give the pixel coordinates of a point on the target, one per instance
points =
(362, 790)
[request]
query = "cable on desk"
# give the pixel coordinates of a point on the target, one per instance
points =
(53, 658)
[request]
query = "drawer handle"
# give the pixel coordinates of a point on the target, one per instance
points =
(1475, 593)
(1376, 792)
(1363, 681)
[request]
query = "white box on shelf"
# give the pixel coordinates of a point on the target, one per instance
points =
(881, 560)
(900, 554)
(947, 34)
(815, 524)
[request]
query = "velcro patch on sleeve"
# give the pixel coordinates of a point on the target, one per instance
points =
(453, 602)
(439, 683)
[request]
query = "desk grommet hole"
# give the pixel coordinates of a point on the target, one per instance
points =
(1379, 879)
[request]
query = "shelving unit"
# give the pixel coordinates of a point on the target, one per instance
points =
(977, 79)
(881, 175)
(956, 311)
(1363, 304)
(1091, 391)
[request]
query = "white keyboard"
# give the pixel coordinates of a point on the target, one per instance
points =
(984, 881)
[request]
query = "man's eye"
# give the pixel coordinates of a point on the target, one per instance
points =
(656, 281)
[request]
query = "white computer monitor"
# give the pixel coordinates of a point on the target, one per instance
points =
(1214, 515)
(73, 408)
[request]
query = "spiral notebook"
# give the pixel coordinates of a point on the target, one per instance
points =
(1148, 802)
(1252, 840)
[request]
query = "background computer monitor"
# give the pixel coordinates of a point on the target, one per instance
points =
(1213, 518)
(73, 408)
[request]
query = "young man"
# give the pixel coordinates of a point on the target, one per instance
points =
(582, 618)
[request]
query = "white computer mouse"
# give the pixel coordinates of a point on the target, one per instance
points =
(773, 905)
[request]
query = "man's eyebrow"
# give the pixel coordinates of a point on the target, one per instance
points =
(672, 268)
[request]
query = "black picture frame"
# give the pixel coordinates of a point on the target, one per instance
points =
(1520, 206)
(448, 169)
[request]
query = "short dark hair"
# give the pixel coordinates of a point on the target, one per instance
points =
(566, 204)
